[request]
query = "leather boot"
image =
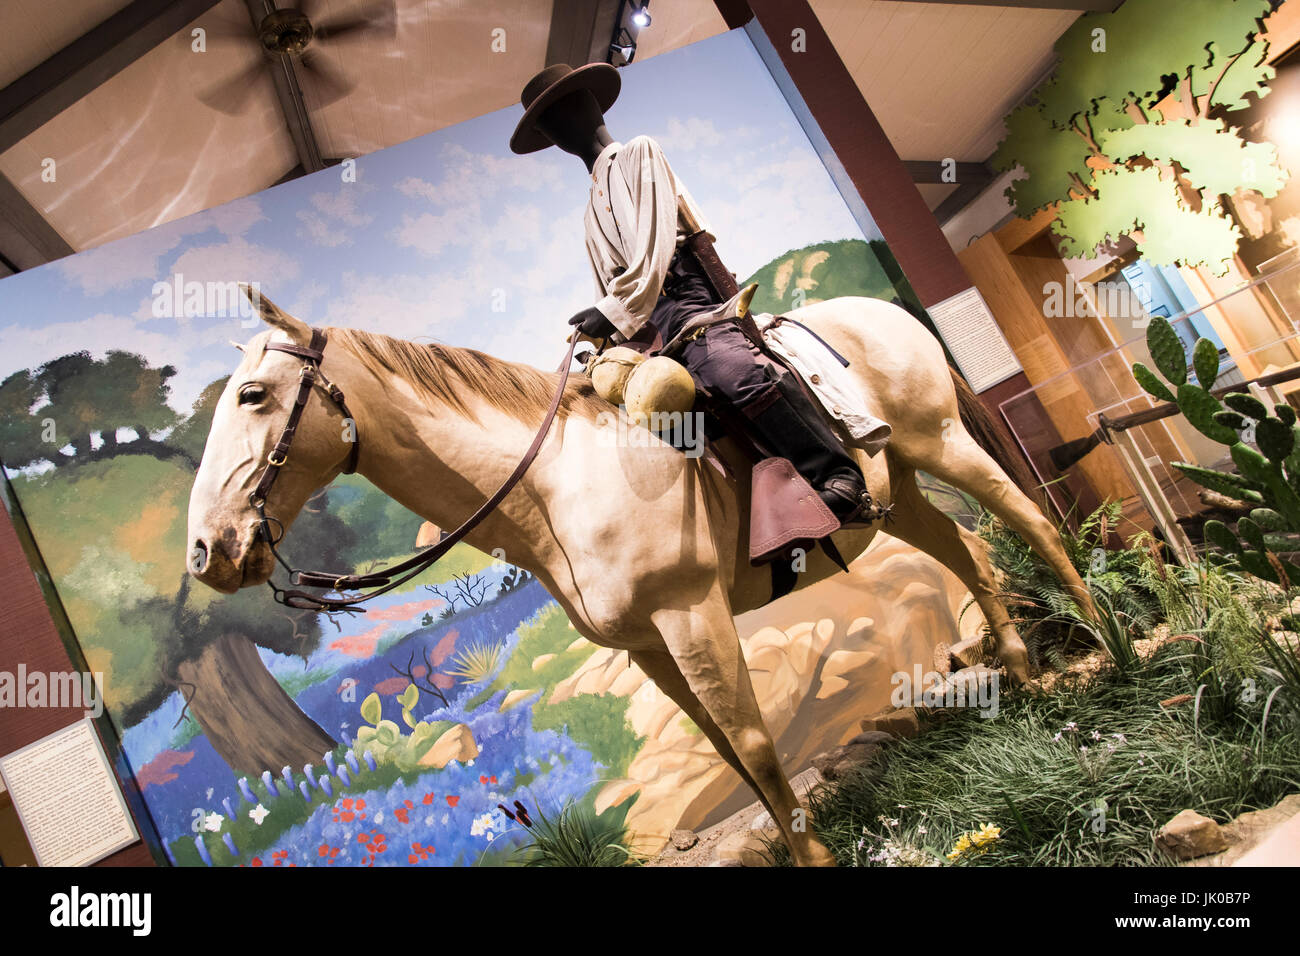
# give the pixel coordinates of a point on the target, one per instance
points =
(789, 425)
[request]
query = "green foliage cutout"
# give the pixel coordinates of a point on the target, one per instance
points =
(1092, 140)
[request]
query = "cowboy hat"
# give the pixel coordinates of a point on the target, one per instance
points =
(551, 84)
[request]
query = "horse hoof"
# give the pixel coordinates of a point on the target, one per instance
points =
(817, 855)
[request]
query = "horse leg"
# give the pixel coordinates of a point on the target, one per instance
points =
(965, 465)
(928, 529)
(701, 637)
(660, 667)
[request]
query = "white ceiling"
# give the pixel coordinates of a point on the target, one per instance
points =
(141, 149)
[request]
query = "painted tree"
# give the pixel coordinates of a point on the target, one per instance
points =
(1132, 134)
(73, 398)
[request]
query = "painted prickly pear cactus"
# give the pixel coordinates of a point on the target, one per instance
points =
(1268, 475)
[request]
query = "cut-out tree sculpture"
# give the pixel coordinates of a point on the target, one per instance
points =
(1132, 135)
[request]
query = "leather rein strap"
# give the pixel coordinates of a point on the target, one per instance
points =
(388, 578)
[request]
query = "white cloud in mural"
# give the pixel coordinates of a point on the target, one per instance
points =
(237, 260)
(334, 216)
(469, 178)
(118, 265)
(696, 133)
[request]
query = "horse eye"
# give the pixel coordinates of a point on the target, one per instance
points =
(251, 394)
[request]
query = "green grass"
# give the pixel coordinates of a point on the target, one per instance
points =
(1054, 805)
(577, 837)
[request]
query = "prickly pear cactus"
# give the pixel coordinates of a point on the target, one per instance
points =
(1268, 478)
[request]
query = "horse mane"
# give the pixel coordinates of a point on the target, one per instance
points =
(445, 373)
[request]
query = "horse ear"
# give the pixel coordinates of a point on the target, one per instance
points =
(276, 317)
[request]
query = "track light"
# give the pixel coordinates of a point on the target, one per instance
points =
(641, 16)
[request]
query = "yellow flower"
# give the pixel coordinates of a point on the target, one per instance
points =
(963, 844)
(979, 841)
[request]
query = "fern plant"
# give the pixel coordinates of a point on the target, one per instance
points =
(1041, 607)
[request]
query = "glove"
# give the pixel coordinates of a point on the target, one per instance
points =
(592, 323)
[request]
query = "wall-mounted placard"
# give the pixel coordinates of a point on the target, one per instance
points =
(974, 339)
(67, 798)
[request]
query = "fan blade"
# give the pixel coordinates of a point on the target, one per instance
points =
(327, 83)
(230, 96)
(378, 19)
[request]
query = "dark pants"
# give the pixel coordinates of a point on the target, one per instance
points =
(722, 359)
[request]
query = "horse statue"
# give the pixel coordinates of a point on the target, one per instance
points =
(644, 548)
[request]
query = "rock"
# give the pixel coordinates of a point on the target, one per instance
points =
(429, 534)
(763, 821)
(456, 744)
(542, 660)
(743, 848)
(967, 653)
(968, 686)
(1190, 835)
(515, 697)
(942, 659)
(872, 737)
(1256, 829)
(836, 763)
(683, 840)
(902, 723)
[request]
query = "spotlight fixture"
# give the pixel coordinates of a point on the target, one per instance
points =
(623, 46)
(641, 16)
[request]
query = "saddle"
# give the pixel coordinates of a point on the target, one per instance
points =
(786, 515)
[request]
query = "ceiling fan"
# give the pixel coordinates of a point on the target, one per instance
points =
(295, 36)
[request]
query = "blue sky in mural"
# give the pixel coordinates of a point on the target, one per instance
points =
(449, 236)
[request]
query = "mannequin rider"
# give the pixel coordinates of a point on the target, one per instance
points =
(647, 275)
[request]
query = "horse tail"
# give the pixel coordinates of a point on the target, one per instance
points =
(992, 436)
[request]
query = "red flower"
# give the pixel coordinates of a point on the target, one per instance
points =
(323, 851)
(412, 859)
(428, 799)
(408, 804)
(361, 804)
(363, 837)
(452, 801)
(257, 861)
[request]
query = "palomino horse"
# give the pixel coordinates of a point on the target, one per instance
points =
(644, 547)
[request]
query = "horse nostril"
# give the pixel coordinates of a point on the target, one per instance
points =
(198, 557)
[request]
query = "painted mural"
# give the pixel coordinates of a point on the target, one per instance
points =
(413, 734)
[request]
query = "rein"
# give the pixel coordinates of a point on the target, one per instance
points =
(388, 578)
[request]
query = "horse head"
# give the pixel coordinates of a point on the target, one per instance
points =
(226, 549)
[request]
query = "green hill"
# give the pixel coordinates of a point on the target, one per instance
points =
(827, 270)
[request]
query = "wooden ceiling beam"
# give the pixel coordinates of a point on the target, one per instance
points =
(45, 91)
(27, 240)
(580, 31)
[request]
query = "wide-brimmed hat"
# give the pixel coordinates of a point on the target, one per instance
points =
(550, 85)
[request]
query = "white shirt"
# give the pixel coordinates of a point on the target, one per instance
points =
(633, 228)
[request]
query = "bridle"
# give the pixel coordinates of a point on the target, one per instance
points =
(384, 580)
